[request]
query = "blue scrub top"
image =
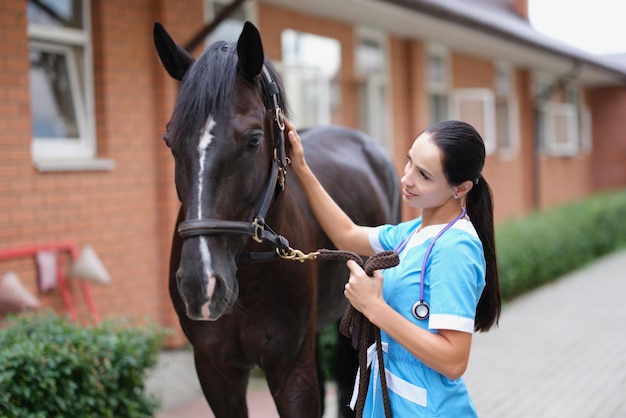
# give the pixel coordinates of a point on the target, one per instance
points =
(454, 281)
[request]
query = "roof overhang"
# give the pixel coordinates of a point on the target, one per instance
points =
(470, 28)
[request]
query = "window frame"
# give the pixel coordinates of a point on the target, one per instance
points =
(59, 147)
(61, 153)
(434, 88)
(295, 73)
(509, 98)
(486, 99)
(569, 106)
(553, 111)
(248, 7)
(586, 130)
(374, 116)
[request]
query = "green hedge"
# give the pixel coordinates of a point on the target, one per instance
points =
(51, 367)
(545, 245)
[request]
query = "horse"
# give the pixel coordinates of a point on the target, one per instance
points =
(243, 295)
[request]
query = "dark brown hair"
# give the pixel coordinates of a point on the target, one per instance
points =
(463, 159)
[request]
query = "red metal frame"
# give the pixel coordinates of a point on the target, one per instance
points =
(32, 250)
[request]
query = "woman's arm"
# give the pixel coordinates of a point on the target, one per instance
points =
(446, 352)
(344, 233)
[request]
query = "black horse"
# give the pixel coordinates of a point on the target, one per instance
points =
(226, 137)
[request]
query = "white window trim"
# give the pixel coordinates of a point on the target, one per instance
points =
(70, 36)
(61, 148)
(60, 154)
(289, 71)
(485, 98)
(249, 9)
(513, 108)
(441, 52)
(434, 88)
(543, 80)
(552, 111)
(514, 134)
(379, 120)
(586, 130)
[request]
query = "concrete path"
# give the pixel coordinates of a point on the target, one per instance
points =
(560, 351)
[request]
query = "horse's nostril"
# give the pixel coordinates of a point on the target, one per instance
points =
(210, 287)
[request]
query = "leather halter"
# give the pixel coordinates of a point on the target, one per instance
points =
(257, 228)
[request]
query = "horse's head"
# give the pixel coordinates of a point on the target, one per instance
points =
(222, 136)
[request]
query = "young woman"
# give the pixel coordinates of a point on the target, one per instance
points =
(446, 285)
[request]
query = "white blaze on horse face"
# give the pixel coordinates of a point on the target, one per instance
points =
(205, 140)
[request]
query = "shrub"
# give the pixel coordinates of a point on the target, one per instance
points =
(51, 367)
(545, 245)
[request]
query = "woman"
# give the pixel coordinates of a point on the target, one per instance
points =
(430, 304)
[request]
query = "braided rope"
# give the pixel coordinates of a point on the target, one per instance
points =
(358, 328)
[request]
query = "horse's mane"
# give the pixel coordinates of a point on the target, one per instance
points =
(207, 89)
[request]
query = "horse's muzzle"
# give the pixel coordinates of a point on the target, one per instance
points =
(206, 298)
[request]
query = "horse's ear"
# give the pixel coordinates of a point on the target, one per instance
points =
(250, 52)
(174, 58)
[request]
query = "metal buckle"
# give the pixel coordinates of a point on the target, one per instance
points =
(279, 119)
(257, 228)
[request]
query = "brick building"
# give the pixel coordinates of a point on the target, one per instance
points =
(84, 99)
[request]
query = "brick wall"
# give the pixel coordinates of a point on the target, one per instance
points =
(127, 214)
(609, 154)
(18, 201)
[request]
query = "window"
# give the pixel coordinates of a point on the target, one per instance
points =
(371, 76)
(309, 68)
(586, 134)
(563, 124)
(476, 107)
(230, 29)
(506, 116)
(61, 85)
(437, 79)
(560, 129)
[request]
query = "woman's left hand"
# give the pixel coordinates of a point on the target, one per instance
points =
(363, 292)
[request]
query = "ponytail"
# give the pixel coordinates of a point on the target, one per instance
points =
(479, 204)
(463, 159)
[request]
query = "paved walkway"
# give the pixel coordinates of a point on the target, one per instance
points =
(560, 351)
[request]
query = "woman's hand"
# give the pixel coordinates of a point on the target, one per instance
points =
(294, 149)
(364, 293)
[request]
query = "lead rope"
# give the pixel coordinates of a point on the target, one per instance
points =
(357, 327)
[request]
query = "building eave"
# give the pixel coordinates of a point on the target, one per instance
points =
(470, 27)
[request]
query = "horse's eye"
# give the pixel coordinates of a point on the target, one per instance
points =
(254, 140)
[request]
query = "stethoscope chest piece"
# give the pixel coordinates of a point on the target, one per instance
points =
(420, 310)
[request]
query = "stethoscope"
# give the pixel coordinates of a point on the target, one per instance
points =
(420, 309)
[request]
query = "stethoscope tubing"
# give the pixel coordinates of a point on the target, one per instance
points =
(420, 309)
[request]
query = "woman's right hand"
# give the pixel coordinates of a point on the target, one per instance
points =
(294, 149)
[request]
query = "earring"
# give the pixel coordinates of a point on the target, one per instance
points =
(456, 196)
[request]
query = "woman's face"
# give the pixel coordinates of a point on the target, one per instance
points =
(424, 184)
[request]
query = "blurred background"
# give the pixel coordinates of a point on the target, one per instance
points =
(85, 175)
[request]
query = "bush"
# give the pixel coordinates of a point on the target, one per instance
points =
(546, 245)
(51, 367)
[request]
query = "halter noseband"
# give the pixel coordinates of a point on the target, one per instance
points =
(257, 228)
